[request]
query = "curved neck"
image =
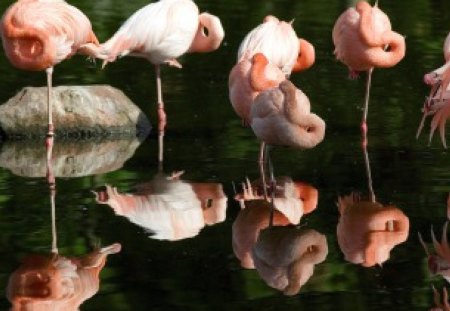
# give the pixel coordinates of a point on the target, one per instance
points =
(32, 39)
(306, 56)
(310, 127)
(210, 40)
(391, 44)
(258, 77)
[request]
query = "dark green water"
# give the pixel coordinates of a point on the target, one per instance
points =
(206, 140)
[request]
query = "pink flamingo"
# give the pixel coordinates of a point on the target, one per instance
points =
(278, 41)
(38, 34)
(364, 40)
(274, 50)
(161, 32)
(247, 79)
(282, 116)
(437, 103)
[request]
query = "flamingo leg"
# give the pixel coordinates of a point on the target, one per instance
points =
(161, 112)
(273, 185)
(52, 187)
(49, 72)
(262, 158)
(160, 150)
(366, 105)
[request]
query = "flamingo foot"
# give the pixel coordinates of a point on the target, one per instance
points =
(353, 74)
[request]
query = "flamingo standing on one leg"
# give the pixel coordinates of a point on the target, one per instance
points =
(161, 32)
(38, 34)
(364, 40)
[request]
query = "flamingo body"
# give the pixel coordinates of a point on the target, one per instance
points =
(159, 32)
(162, 31)
(275, 39)
(360, 36)
(247, 79)
(38, 34)
(281, 116)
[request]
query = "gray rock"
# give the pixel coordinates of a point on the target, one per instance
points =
(69, 158)
(78, 112)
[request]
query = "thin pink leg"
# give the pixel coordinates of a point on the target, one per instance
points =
(51, 129)
(52, 187)
(261, 161)
(364, 127)
(161, 113)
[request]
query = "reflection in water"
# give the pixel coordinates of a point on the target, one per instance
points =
(168, 207)
(437, 104)
(54, 282)
(291, 201)
(285, 256)
(367, 231)
(70, 158)
(440, 306)
(439, 263)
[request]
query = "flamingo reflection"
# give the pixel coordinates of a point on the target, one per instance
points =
(168, 207)
(265, 239)
(53, 282)
(439, 263)
(368, 230)
(440, 306)
(437, 104)
(285, 257)
(291, 200)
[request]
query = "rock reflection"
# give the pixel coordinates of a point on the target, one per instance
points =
(285, 256)
(168, 207)
(70, 158)
(54, 282)
(367, 231)
(291, 201)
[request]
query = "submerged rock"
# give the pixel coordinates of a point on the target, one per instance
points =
(69, 158)
(78, 112)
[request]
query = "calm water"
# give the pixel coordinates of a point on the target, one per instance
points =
(206, 140)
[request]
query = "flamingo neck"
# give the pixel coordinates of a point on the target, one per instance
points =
(210, 41)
